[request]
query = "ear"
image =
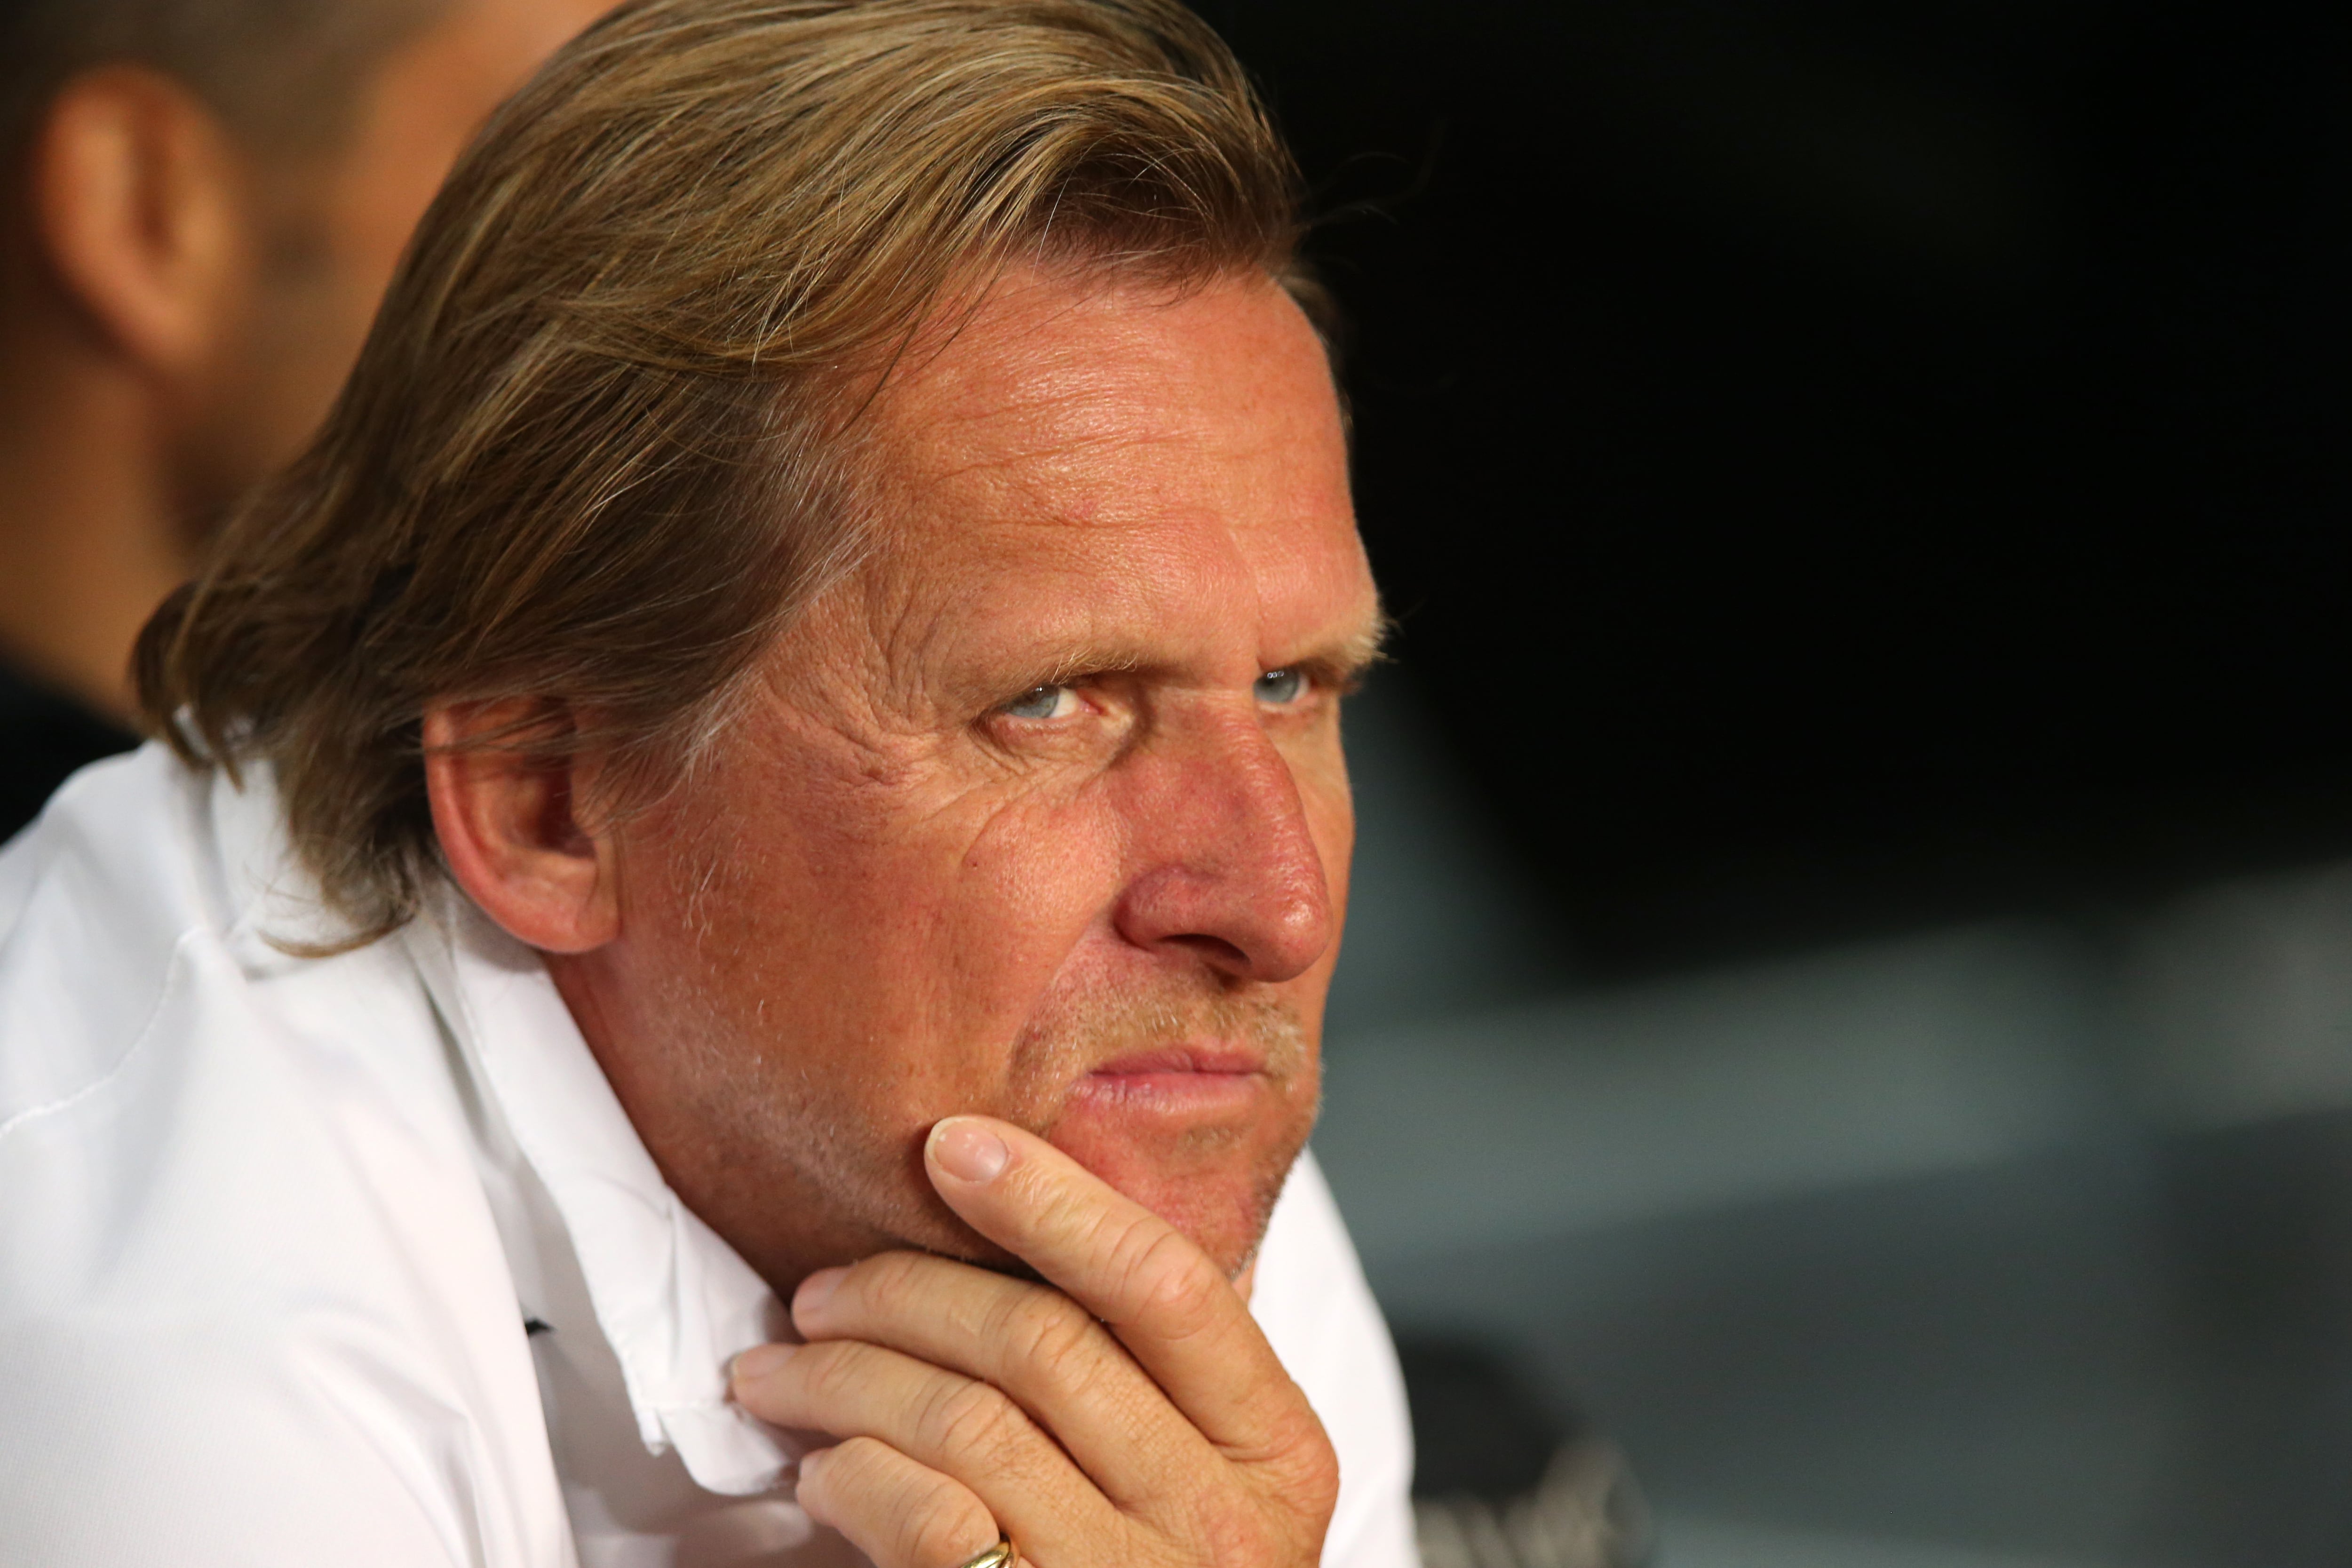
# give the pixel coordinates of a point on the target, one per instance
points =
(511, 834)
(141, 207)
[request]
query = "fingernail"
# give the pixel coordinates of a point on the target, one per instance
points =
(812, 1462)
(815, 1291)
(758, 1362)
(968, 1150)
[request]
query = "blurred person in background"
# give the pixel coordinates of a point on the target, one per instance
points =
(205, 201)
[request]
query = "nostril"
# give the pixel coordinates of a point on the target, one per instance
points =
(1215, 950)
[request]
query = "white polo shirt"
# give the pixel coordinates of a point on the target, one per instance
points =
(358, 1261)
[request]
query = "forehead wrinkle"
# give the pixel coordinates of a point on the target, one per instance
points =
(1051, 490)
(1024, 451)
(917, 635)
(1018, 454)
(1058, 403)
(1098, 627)
(1145, 604)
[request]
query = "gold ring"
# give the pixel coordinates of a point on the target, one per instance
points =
(1001, 1555)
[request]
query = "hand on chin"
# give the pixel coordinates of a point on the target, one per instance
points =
(1126, 1411)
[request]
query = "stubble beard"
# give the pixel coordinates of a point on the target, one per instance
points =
(860, 1182)
(1076, 1035)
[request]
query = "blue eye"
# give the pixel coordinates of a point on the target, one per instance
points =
(1281, 687)
(1042, 702)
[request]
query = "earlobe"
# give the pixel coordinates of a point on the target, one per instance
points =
(511, 836)
(139, 201)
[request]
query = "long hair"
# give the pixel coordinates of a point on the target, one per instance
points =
(603, 442)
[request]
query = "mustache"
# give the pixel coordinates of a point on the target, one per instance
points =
(1088, 1028)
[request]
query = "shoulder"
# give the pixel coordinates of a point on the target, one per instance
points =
(154, 1027)
(116, 841)
(168, 1075)
(100, 902)
(187, 1110)
(1311, 1299)
(248, 1257)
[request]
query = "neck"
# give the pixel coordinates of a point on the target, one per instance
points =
(90, 539)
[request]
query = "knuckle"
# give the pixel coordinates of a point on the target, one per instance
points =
(1054, 1337)
(926, 1520)
(1174, 1284)
(949, 1527)
(1315, 1480)
(855, 1462)
(829, 1368)
(1300, 1477)
(1232, 1531)
(1300, 1459)
(974, 1422)
(854, 1466)
(888, 1282)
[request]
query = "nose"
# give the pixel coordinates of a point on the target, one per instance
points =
(1224, 862)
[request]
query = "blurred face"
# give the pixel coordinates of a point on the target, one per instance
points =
(1041, 814)
(340, 227)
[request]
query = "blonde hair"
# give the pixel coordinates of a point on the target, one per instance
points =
(599, 447)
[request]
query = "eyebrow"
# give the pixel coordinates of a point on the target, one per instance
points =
(1080, 664)
(1369, 646)
(1346, 662)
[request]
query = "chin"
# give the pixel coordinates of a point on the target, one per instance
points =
(1216, 1182)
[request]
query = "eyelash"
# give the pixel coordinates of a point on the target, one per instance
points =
(1301, 681)
(1013, 708)
(1305, 682)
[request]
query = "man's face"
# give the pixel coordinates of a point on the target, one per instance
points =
(1041, 813)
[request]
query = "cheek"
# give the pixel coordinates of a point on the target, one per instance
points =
(907, 946)
(1025, 891)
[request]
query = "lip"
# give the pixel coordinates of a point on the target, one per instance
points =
(1183, 1080)
(1213, 1061)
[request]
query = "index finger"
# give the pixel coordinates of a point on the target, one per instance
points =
(1158, 1292)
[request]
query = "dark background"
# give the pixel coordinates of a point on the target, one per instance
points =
(1845, 466)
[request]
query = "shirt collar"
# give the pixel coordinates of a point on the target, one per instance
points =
(676, 1302)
